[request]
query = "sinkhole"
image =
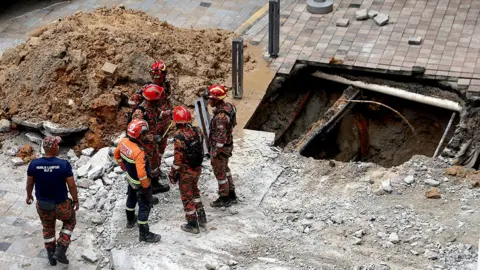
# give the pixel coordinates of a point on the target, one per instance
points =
(324, 119)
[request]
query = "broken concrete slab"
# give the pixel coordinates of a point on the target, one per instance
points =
(372, 14)
(95, 172)
(109, 68)
(4, 125)
(81, 161)
(28, 123)
(34, 137)
(342, 22)
(88, 151)
(415, 40)
(83, 171)
(58, 130)
(90, 255)
(361, 14)
(381, 19)
(71, 154)
(121, 260)
(17, 161)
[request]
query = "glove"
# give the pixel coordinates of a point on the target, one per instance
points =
(174, 177)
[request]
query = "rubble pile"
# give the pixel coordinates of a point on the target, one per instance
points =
(57, 81)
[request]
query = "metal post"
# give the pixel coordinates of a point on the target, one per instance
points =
(274, 28)
(237, 67)
(445, 134)
(203, 120)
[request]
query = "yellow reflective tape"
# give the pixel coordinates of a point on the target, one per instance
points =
(133, 181)
(129, 209)
(142, 222)
(127, 159)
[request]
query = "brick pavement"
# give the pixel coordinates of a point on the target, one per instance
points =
(450, 31)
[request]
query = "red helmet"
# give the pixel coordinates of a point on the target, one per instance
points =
(136, 128)
(181, 115)
(217, 92)
(153, 92)
(159, 70)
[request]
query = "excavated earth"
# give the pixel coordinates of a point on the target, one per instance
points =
(57, 74)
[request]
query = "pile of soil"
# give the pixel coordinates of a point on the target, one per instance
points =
(57, 74)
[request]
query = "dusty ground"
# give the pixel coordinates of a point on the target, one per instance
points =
(57, 74)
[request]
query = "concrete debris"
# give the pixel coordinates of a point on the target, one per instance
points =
(90, 256)
(387, 186)
(17, 161)
(430, 255)
(109, 68)
(387, 244)
(96, 218)
(89, 204)
(211, 266)
(359, 233)
(121, 260)
(34, 137)
(381, 19)
(432, 183)
(12, 151)
(372, 14)
(343, 22)
(83, 171)
(361, 14)
(71, 154)
(415, 40)
(337, 219)
(393, 237)
(357, 241)
(4, 125)
(95, 173)
(433, 193)
(59, 130)
(118, 170)
(169, 161)
(409, 180)
(82, 161)
(27, 123)
(309, 215)
(88, 151)
(232, 263)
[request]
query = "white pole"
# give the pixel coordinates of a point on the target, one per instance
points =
(392, 91)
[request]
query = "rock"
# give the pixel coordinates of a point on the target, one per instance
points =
(109, 68)
(432, 183)
(430, 255)
(361, 14)
(211, 266)
(381, 19)
(121, 260)
(387, 244)
(306, 230)
(71, 154)
(409, 180)
(96, 218)
(359, 233)
(343, 22)
(393, 237)
(58, 130)
(118, 170)
(414, 252)
(451, 171)
(95, 173)
(357, 241)
(387, 186)
(12, 151)
(27, 123)
(83, 171)
(17, 161)
(307, 223)
(89, 204)
(415, 40)
(108, 181)
(82, 161)
(337, 219)
(101, 202)
(233, 211)
(169, 161)
(232, 263)
(88, 151)
(223, 267)
(309, 215)
(4, 125)
(331, 163)
(418, 70)
(34, 137)
(372, 14)
(84, 183)
(90, 256)
(433, 193)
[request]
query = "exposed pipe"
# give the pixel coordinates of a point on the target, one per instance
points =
(392, 91)
(445, 134)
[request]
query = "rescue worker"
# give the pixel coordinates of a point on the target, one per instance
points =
(158, 72)
(50, 176)
(186, 168)
(221, 144)
(130, 155)
(157, 113)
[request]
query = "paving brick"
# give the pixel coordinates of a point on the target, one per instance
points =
(415, 40)
(463, 83)
(342, 22)
(361, 14)
(381, 19)
(372, 14)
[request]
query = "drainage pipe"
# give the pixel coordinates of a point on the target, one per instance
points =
(392, 91)
(445, 134)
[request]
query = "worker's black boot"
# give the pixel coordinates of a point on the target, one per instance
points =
(60, 254)
(155, 200)
(191, 227)
(157, 187)
(202, 218)
(131, 219)
(222, 201)
(232, 196)
(146, 235)
(51, 260)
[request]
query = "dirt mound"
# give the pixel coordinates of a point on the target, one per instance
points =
(57, 76)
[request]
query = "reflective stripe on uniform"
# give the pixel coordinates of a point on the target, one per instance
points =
(133, 181)
(190, 212)
(221, 182)
(143, 178)
(175, 167)
(48, 240)
(127, 159)
(142, 222)
(129, 209)
(65, 231)
(219, 144)
(197, 200)
(119, 160)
